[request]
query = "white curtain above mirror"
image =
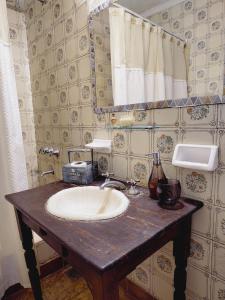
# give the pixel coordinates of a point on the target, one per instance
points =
(148, 64)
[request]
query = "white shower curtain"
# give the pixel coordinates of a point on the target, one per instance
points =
(12, 166)
(147, 63)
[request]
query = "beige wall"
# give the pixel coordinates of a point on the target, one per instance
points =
(18, 40)
(60, 73)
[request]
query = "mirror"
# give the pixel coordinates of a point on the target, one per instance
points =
(150, 54)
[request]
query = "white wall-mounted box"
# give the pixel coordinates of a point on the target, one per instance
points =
(197, 157)
(99, 145)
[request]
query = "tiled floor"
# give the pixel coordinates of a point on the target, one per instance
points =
(62, 285)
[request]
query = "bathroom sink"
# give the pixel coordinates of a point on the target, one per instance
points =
(87, 203)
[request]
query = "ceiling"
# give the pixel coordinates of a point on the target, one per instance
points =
(148, 7)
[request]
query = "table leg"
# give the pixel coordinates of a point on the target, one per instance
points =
(101, 291)
(27, 241)
(181, 251)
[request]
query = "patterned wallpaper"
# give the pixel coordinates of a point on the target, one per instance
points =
(60, 74)
(201, 23)
(18, 39)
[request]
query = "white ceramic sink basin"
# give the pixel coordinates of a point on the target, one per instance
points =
(87, 203)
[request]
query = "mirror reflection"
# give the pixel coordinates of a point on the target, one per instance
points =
(147, 63)
(148, 51)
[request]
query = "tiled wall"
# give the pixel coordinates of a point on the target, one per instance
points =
(60, 72)
(18, 39)
(103, 72)
(201, 23)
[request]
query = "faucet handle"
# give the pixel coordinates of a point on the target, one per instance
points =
(133, 190)
(45, 150)
(107, 175)
(133, 182)
(56, 152)
(50, 151)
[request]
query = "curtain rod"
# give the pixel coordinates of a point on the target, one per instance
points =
(147, 20)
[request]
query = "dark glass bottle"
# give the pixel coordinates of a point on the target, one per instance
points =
(157, 175)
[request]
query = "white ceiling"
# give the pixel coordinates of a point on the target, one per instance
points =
(148, 7)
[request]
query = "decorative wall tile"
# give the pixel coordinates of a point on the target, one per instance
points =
(140, 143)
(120, 141)
(139, 169)
(198, 284)
(191, 136)
(87, 135)
(163, 265)
(168, 117)
(218, 259)
(168, 249)
(221, 116)
(101, 120)
(219, 225)
(87, 117)
(85, 92)
(197, 184)
(82, 16)
(218, 289)
(75, 116)
(200, 253)
(104, 164)
(102, 133)
(71, 48)
(220, 189)
(143, 117)
(120, 166)
(199, 116)
(83, 42)
(202, 221)
(64, 117)
(63, 97)
(162, 293)
(142, 278)
(84, 68)
(165, 141)
(221, 142)
(73, 75)
(73, 95)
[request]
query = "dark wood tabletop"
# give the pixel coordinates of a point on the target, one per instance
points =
(102, 244)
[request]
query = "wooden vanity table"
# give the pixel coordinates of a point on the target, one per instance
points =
(104, 252)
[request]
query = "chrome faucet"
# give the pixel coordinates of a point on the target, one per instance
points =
(112, 183)
(107, 176)
(133, 190)
(47, 173)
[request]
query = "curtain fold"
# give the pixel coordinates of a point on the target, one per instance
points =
(12, 165)
(147, 63)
